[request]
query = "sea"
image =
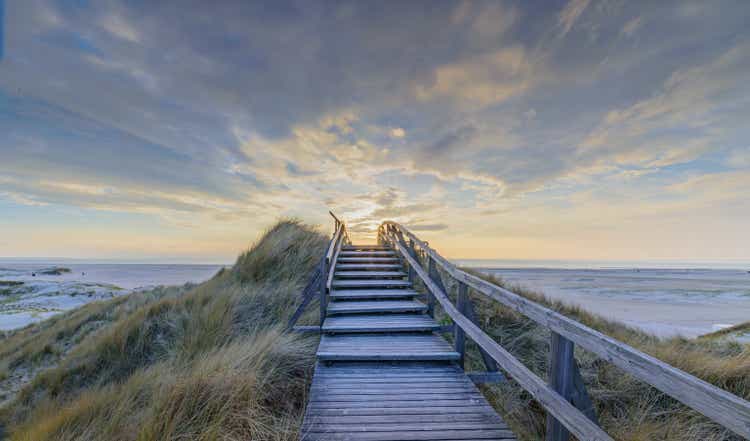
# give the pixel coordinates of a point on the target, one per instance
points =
(664, 298)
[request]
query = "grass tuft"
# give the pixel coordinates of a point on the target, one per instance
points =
(206, 362)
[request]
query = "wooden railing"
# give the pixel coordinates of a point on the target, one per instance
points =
(322, 277)
(565, 399)
(328, 265)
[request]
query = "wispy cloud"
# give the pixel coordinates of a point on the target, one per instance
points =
(433, 114)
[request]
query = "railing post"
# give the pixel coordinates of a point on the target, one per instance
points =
(323, 281)
(432, 271)
(413, 253)
(460, 335)
(561, 371)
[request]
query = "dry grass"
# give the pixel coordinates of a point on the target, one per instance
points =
(627, 408)
(207, 364)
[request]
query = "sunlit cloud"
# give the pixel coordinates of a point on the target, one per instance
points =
(495, 129)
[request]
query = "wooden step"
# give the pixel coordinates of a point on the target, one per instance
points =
(381, 260)
(368, 274)
(366, 248)
(372, 294)
(385, 347)
(368, 267)
(377, 323)
(369, 283)
(359, 307)
(435, 401)
(367, 254)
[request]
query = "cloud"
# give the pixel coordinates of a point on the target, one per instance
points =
(630, 28)
(483, 80)
(570, 14)
(397, 132)
(119, 27)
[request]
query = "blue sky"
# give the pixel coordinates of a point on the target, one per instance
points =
(575, 129)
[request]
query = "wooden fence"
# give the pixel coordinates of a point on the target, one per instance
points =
(564, 397)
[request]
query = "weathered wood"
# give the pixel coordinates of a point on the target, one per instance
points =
(368, 267)
(384, 283)
(430, 296)
(715, 403)
(334, 261)
(581, 398)
(569, 416)
(372, 294)
(307, 295)
(322, 290)
(368, 274)
(385, 347)
(489, 363)
(561, 380)
(460, 335)
(414, 254)
(380, 323)
(398, 402)
(306, 329)
(372, 307)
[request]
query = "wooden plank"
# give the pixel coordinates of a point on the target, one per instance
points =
(307, 295)
(333, 262)
(367, 248)
(343, 259)
(380, 323)
(459, 335)
(464, 435)
(367, 266)
(361, 283)
(385, 347)
(715, 403)
(390, 406)
(388, 253)
(306, 329)
(358, 307)
(366, 274)
(369, 294)
(572, 418)
(561, 380)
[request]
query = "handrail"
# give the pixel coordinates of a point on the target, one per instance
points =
(334, 259)
(573, 419)
(713, 402)
(334, 240)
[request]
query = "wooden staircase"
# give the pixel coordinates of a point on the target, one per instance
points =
(383, 372)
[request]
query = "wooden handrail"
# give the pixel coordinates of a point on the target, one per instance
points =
(335, 257)
(715, 403)
(334, 240)
(566, 413)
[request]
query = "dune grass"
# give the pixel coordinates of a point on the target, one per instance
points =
(628, 409)
(206, 363)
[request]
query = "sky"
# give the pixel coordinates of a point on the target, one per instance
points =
(579, 129)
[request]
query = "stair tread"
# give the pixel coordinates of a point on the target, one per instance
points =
(380, 323)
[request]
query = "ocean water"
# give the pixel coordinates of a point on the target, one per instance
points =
(27, 295)
(665, 299)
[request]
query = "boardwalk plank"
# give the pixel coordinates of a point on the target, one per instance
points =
(383, 374)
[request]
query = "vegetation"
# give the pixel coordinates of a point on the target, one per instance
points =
(628, 409)
(210, 362)
(202, 362)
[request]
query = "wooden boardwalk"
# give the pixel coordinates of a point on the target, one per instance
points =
(383, 373)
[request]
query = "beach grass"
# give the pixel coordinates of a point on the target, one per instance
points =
(207, 362)
(212, 362)
(627, 408)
